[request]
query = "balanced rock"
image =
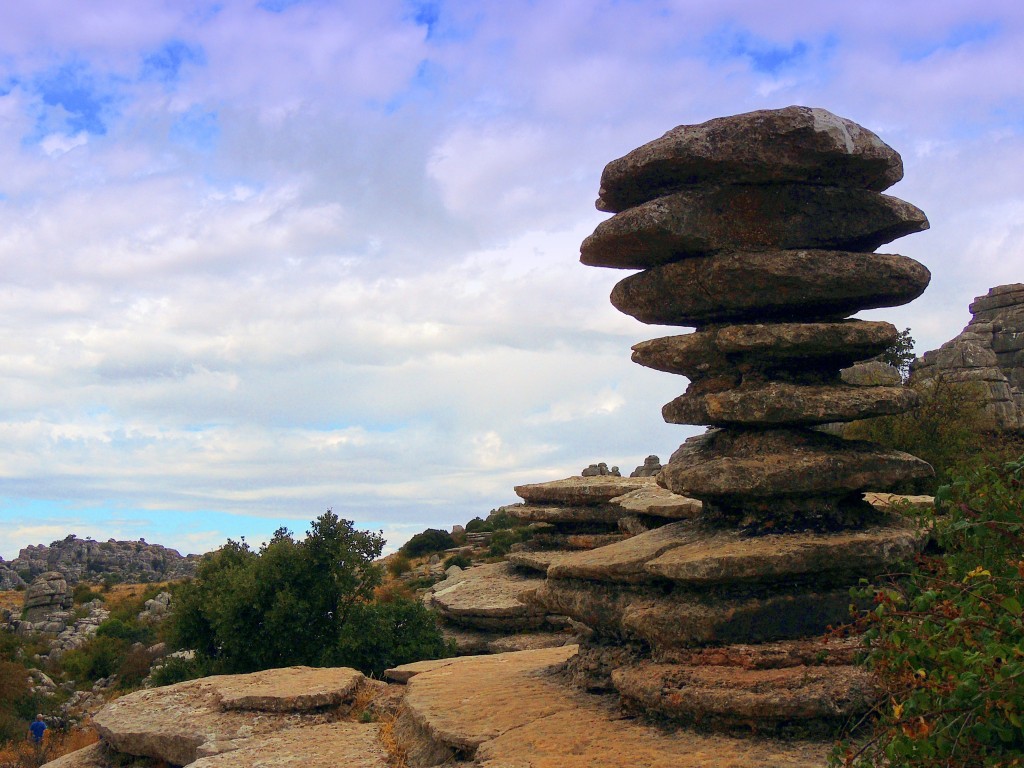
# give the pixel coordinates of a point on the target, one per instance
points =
(758, 230)
(650, 467)
(795, 144)
(46, 602)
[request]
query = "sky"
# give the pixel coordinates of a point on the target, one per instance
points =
(263, 259)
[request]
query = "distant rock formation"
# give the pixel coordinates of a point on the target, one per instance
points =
(650, 468)
(990, 352)
(77, 559)
(600, 470)
(47, 605)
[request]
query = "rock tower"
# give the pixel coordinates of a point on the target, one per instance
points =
(758, 230)
(988, 353)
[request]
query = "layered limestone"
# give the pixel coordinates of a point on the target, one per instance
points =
(987, 355)
(759, 231)
(515, 710)
(199, 718)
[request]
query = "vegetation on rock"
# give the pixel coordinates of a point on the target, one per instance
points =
(946, 642)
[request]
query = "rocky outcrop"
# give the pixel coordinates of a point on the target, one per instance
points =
(47, 605)
(650, 468)
(200, 718)
(599, 469)
(759, 230)
(130, 561)
(988, 353)
(9, 578)
(516, 710)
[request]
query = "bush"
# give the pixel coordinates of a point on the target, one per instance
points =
(460, 560)
(295, 602)
(946, 642)
(947, 426)
(478, 525)
(502, 541)
(83, 593)
(99, 657)
(175, 669)
(129, 631)
(399, 564)
(381, 635)
(429, 541)
(500, 521)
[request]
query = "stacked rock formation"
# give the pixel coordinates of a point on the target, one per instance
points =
(988, 353)
(78, 559)
(581, 513)
(47, 605)
(758, 230)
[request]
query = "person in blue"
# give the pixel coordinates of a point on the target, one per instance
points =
(37, 728)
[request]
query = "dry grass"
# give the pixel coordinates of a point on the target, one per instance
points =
(397, 757)
(25, 754)
(12, 599)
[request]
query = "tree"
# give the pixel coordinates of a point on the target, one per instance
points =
(900, 354)
(292, 602)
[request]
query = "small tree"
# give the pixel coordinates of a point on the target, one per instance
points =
(900, 354)
(289, 603)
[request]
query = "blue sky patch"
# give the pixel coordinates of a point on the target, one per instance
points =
(426, 13)
(74, 102)
(764, 56)
(957, 37)
(165, 63)
(277, 6)
(197, 130)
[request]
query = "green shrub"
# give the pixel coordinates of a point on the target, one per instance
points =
(129, 631)
(945, 643)
(84, 593)
(500, 521)
(460, 560)
(381, 635)
(175, 669)
(399, 564)
(99, 657)
(427, 542)
(478, 525)
(502, 541)
(947, 426)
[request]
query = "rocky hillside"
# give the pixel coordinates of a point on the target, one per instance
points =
(77, 559)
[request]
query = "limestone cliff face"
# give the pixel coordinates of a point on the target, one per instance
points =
(989, 351)
(76, 559)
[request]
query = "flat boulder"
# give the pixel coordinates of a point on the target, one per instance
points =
(489, 597)
(598, 489)
(656, 501)
(547, 513)
(706, 220)
(795, 144)
(353, 745)
(536, 560)
(173, 722)
(764, 285)
(732, 349)
(779, 402)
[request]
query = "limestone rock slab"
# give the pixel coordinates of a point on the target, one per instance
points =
(536, 560)
(727, 697)
(778, 402)
(763, 347)
(705, 220)
(795, 144)
(783, 463)
(764, 285)
(353, 745)
(598, 489)
(93, 756)
(546, 513)
(173, 722)
(292, 689)
(624, 561)
(658, 502)
(488, 597)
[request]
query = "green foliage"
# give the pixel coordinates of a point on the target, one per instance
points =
(427, 542)
(175, 670)
(99, 657)
(500, 521)
(399, 564)
(460, 560)
(84, 593)
(130, 631)
(502, 541)
(380, 635)
(293, 602)
(478, 525)
(947, 425)
(947, 642)
(900, 354)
